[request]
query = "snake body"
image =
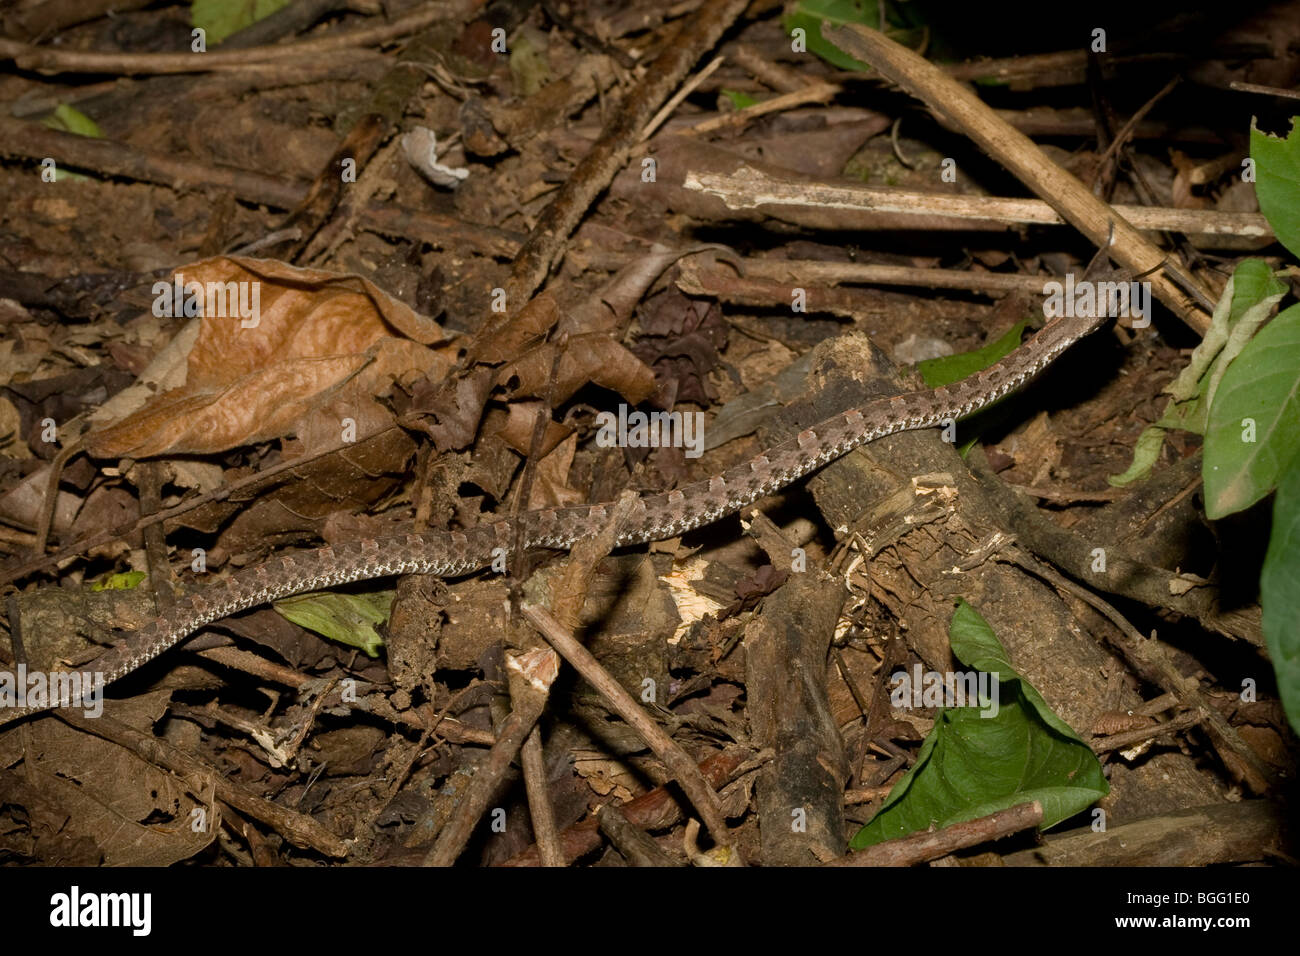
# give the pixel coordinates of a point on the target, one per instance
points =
(653, 517)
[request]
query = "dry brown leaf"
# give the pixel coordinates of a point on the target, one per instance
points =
(517, 430)
(314, 331)
(550, 479)
(611, 307)
(137, 814)
(587, 358)
(449, 411)
(504, 337)
(492, 467)
(303, 498)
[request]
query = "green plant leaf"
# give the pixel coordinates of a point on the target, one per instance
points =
(1279, 592)
(1248, 299)
(953, 368)
(738, 99)
(69, 120)
(347, 618)
(809, 15)
(530, 67)
(1146, 452)
(1248, 315)
(1254, 280)
(220, 18)
(1277, 183)
(973, 765)
(1254, 421)
(122, 581)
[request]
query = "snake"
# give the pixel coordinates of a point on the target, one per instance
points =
(650, 517)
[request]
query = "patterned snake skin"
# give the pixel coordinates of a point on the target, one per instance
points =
(658, 516)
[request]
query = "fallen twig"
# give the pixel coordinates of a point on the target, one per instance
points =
(920, 847)
(749, 188)
(610, 153)
(1103, 225)
(622, 703)
(50, 60)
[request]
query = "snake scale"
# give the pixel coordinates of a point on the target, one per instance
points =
(653, 517)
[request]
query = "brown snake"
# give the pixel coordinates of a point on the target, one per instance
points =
(654, 517)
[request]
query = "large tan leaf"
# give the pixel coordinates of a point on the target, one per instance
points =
(253, 380)
(592, 357)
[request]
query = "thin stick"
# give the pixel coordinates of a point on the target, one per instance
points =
(49, 60)
(681, 766)
(749, 188)
(539, 668)
(920, 847)
(637, 846)
(51, 502)
(817, 93)
(611, 152)
(1104, 226)
(675, 100)
(1132, 737)
(540, 809)
(1267, 90)
(1127, 129)
(299, 829)
(33, 141)
(656, 809)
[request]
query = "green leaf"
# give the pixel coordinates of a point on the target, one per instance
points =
(809, 15)
(738, 99)
(1254, 422)
(1254, 281)
(124, 581)
(69, 120)
(1279, 592)
(977, 761)
(1146, 452)
(220, 18)
(953, 368)
(1277, 183)
(346, 618)
(1248, 299)
(530, 68)
(1247, 316)
(65, 119)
